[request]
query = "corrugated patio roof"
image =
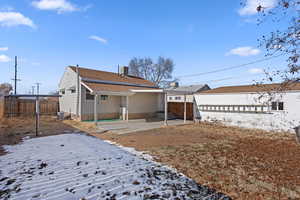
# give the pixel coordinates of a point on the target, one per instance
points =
(112, 88)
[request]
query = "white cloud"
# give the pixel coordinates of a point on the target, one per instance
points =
(3, 48)
(57, 5)
(4, 58)
(243, 51)
(97, 38)
(250, 7)
(15, 19)
(256, 71)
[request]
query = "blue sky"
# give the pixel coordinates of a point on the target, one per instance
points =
(200, 36)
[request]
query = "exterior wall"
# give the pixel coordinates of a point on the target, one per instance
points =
(141, 105)
(161, 102)
(271, 120)
(107, 109)
(67, 101)
(171, 98)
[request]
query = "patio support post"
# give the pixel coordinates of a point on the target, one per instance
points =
(194, 109)
(95, 109)
(37, 115)
(184, 118)
(127, 103)
(166, 109)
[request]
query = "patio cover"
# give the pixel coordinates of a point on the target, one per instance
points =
(119, 90)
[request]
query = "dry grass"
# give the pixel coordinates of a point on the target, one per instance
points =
(83, 126)
(243, 163)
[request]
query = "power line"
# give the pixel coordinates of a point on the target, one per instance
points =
(226, 78)
(230, 68)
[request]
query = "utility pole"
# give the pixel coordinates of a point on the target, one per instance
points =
(38, 88)
(32, 91)
(16, 74)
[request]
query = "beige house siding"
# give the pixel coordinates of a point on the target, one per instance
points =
(111, 105)
(141, 105)
(68, 100)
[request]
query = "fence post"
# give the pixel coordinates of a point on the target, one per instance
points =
(37, 116)
(297, 130)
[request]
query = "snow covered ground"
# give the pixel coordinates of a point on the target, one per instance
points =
(77, 166)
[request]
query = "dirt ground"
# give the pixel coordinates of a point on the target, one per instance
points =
(12, 130)
(243, 163)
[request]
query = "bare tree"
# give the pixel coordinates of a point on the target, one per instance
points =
(5, 89)
(283, 40)
(160, 72)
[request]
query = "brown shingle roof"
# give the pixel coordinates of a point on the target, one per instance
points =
(110, 76)
(254, 88)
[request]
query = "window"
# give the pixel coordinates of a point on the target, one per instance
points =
(177, 98)
(73, 90)
(63, 91)
(104, 97)
(274, 105)
(277, 105)
(280, 106)
(170, 98)
(88, 95)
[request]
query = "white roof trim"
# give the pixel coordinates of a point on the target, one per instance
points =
(87, 87)
(147, 91)
(114, 93)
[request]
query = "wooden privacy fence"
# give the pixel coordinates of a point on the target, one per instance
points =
(1, 107)
(15, 107)
(177, 109)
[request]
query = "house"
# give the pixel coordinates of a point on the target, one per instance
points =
(178, 93)
(181, 100)
(92, 94)
(253, 106)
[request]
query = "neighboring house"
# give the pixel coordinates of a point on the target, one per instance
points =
(251, 106)
(92, 94)
(176, 94)
(181, 100)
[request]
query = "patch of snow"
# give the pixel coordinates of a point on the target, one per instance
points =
(141, 154)
(77, 166)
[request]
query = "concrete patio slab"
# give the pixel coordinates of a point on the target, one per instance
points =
(123, 127)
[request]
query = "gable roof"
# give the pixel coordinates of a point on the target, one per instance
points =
(103, 77)
(254, 88)
(190, 88)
